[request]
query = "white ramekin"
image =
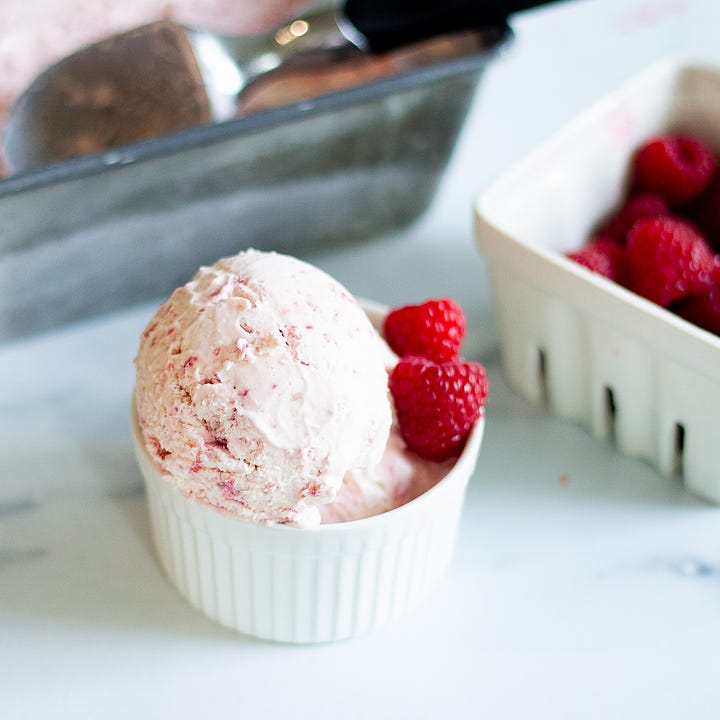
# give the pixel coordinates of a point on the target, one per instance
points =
(311, 584)
(599, 354)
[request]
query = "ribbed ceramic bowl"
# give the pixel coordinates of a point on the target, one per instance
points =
(305, 585)
(598, 353)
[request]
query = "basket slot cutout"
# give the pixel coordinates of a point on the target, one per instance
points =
(542, 376)
(610, 414)
(679, 450)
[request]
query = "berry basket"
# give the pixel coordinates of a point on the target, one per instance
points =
(597, 353)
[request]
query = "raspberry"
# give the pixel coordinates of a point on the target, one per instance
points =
(433, 330)
(437, 404)
(604, 257)
(703, 310)
(678, 168)
(639, 206)
(706, 213)
(668, 260)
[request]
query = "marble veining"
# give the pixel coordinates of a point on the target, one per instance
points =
(8, 557)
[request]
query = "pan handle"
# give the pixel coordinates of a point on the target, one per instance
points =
(389, 24)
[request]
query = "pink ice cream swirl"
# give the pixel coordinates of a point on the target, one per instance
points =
(261, 385)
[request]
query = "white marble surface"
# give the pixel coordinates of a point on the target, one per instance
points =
(584, 585)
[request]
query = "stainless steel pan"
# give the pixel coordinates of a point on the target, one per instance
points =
(97, 233)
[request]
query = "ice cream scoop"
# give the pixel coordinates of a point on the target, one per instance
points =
(260, 384)
(164, 77)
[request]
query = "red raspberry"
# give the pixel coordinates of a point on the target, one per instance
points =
(437, 404)
(638, 206)
(703, 310)
(668, 260)
(706, 213)
(677, 167)
(604, 257)
(433, 330)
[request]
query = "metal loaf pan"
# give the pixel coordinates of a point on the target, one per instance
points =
(101, 232)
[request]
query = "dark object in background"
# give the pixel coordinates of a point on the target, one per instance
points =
(391, 24)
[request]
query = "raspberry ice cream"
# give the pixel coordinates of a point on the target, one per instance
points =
(260, 385)
(264, 398)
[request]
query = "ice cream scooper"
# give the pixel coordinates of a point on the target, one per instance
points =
(161, 78)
